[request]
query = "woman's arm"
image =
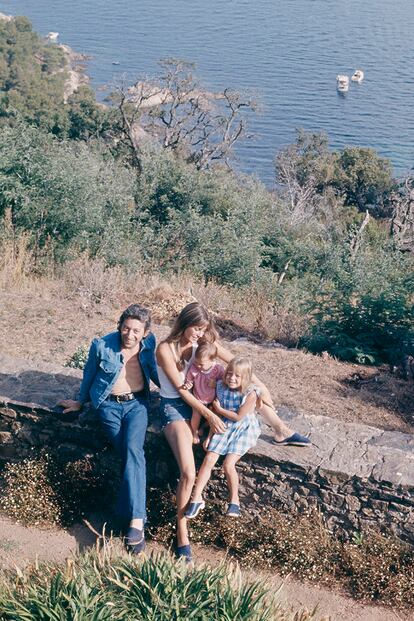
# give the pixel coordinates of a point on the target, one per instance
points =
(166, 361)
(225, 355)
(245, 409)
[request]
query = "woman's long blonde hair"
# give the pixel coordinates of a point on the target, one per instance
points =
(194, 314)
(243, 366)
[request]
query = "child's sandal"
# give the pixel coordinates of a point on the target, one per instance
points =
(233, 510)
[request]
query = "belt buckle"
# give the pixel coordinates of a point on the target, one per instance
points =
(128, 396)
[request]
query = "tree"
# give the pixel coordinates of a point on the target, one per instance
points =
(32, 77)
(303, 174)
(364, 179)
(86, 119)
(402, 221)
(307, 173)
(173, 109)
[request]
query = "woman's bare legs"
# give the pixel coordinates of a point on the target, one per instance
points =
(180, 439)
(204, 475)
(229, 467)
(280, 429)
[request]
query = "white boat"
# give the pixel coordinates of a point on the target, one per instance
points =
(358, 76)
(52, 36)
(342, 83)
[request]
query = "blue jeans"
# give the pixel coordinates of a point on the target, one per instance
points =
(125, 424)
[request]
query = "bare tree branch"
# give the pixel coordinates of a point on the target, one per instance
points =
(201, 126)
(402, 221)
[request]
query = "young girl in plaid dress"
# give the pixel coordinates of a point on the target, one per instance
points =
(236, 402)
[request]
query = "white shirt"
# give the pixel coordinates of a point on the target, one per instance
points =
(167, 390)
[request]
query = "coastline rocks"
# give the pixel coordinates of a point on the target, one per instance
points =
(76, 71)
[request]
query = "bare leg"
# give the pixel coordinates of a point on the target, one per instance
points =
(206, 442)
(137, 523)
(204, 475)
(280, 429)
(195, 424)
(180, 439)
(229, 467)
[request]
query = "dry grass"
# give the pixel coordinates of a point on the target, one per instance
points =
(16, 264)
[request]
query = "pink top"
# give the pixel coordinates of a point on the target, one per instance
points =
(204, 382)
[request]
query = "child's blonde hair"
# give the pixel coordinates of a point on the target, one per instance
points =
(206, 350)
(243, 366)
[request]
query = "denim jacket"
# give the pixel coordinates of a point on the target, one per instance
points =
(104, 365)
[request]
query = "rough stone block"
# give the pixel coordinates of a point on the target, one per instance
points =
(7, 413)
(6, 437)
(352, 503)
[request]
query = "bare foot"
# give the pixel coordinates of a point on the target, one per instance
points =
(196, 438)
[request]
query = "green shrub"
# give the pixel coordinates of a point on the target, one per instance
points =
(365, 311)
(67, 197)
(78, 358)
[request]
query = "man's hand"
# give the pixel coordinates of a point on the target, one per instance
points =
(216, 424)
(70, 405)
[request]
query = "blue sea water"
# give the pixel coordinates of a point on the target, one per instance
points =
(286, 51)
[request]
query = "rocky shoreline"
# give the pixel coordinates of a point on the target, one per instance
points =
(75, 69)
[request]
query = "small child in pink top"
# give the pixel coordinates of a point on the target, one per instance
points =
(202, 377)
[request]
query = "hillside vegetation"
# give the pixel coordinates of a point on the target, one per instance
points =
(150, 189)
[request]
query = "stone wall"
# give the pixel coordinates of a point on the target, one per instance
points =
(356, 475)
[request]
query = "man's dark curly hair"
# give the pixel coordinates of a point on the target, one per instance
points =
(136, 311)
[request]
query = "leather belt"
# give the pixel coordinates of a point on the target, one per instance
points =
(127, 396)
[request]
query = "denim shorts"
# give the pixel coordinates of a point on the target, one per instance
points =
(172, 410)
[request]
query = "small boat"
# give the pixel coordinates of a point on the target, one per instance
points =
(342, 83)
(52, 36)
(358, 76)
(115, 62)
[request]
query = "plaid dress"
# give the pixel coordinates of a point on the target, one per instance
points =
(241, 435)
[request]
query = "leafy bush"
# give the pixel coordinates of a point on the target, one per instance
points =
(78, 358)
(365, 311)
(68, 197)
(208, 223)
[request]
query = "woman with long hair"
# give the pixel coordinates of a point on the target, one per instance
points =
(174, 355)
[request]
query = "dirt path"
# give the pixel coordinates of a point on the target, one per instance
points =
(20, 545)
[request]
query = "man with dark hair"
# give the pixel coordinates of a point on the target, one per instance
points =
(116, 379)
